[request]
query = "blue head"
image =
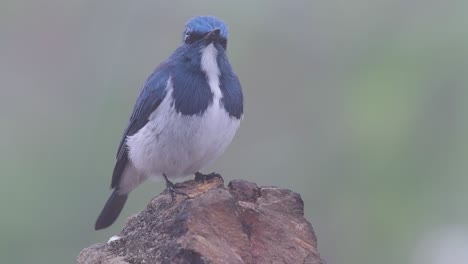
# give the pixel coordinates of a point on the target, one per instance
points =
(205, 29)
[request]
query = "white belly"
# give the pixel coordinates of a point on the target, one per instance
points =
(178, 145)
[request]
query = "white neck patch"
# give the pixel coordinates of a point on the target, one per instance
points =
(209, 65)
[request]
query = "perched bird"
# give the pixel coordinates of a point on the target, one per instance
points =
(186, 115)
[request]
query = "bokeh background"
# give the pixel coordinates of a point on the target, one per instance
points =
(360, 106)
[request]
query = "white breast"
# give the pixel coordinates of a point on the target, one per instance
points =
(209, 65)
(179, 145)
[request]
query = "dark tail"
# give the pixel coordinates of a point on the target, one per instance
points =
(111, 210)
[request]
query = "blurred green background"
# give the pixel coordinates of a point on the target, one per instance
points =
(360, 106)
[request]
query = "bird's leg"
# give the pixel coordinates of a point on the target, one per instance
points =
(173, 188)
(200, 177)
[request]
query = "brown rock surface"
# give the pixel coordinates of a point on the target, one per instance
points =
(242, 223)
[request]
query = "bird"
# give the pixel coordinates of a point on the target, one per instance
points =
(186, 115)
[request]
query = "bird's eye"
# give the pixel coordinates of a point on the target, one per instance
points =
(186, 36)
(191, 37)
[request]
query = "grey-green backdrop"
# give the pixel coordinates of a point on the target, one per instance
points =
(360, 106)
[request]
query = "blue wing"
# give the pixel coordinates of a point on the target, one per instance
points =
(151, 95)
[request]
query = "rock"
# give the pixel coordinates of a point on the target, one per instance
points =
(242, 223)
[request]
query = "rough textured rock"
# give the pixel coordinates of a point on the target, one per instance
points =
(242, 223)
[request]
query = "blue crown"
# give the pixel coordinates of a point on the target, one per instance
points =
(205, 24)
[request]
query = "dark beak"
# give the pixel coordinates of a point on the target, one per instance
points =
(213, 35)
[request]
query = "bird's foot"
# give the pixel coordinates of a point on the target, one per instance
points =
(200, 177)
(172, 188)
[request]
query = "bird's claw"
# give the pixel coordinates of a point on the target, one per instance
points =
(200, 177)
(172, 188)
